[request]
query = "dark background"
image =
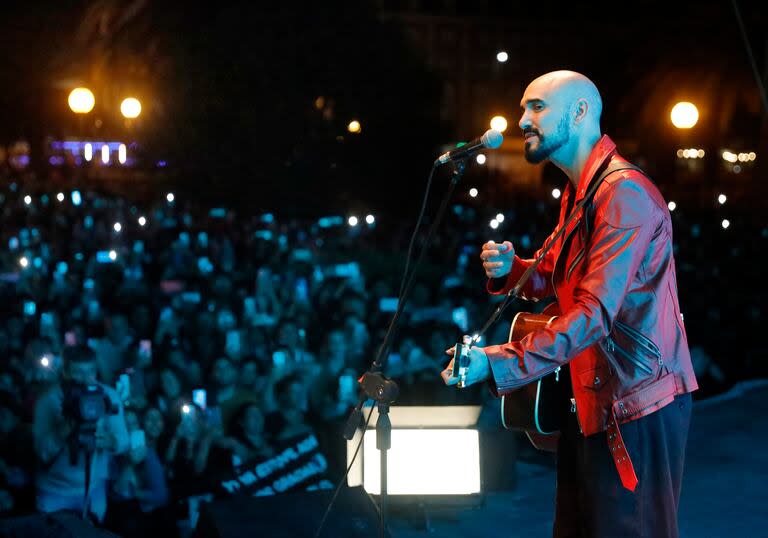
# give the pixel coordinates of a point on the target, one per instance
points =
(229, 90)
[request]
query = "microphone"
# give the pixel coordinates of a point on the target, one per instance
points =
(491, 139)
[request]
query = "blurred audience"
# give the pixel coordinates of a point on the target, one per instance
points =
(213, 340)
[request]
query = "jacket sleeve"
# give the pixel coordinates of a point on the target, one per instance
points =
(539, 285)
(625, 223)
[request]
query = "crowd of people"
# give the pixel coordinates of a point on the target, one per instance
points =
(208, 339)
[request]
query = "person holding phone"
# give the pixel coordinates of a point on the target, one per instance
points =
(139, 486)
(193, 456)
(227, 394)
(332, 393)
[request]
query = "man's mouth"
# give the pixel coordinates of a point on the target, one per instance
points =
(529, 135)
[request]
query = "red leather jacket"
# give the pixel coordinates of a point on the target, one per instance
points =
(621, 329)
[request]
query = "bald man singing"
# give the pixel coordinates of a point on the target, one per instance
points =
(619, 344)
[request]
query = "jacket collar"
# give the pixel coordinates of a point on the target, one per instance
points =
(601, 154)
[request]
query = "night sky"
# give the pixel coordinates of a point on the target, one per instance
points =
(229, 91)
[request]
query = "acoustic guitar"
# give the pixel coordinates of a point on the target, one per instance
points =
(531, 408)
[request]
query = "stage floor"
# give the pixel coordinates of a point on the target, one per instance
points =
(725, 486)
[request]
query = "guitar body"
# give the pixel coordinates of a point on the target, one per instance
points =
(531, 408)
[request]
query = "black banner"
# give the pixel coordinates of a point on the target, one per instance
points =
(298, 466)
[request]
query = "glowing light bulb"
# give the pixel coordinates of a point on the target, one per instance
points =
(684, 115)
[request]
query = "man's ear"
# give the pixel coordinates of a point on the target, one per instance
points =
(581, 109)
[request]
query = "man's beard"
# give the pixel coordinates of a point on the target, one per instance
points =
(548, 145)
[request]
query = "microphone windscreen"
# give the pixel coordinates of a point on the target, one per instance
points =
(492, 139)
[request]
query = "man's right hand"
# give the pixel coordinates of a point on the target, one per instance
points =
(497, 258)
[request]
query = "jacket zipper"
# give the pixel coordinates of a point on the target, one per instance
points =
(641, 340)
(556, 371)
(573, 410)
(554, 289)
(614, 347)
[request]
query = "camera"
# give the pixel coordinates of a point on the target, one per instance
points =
(84, 405)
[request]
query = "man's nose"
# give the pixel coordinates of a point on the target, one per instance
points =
(524, 122)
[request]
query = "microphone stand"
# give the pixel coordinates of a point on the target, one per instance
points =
(374, 384)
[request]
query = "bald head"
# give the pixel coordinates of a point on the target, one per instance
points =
(560, 110)
(568, 88)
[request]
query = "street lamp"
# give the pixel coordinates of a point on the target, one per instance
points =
(81, 100)
(684, 115)
(130, 108)
(354, 127)
(499, 123)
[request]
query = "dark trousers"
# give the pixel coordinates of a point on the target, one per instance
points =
(590, 500)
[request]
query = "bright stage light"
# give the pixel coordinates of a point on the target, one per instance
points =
(419, 463)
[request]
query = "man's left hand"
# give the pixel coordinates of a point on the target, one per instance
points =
(478, 371)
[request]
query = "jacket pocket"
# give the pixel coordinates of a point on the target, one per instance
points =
(596, 378)
(610, 346)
